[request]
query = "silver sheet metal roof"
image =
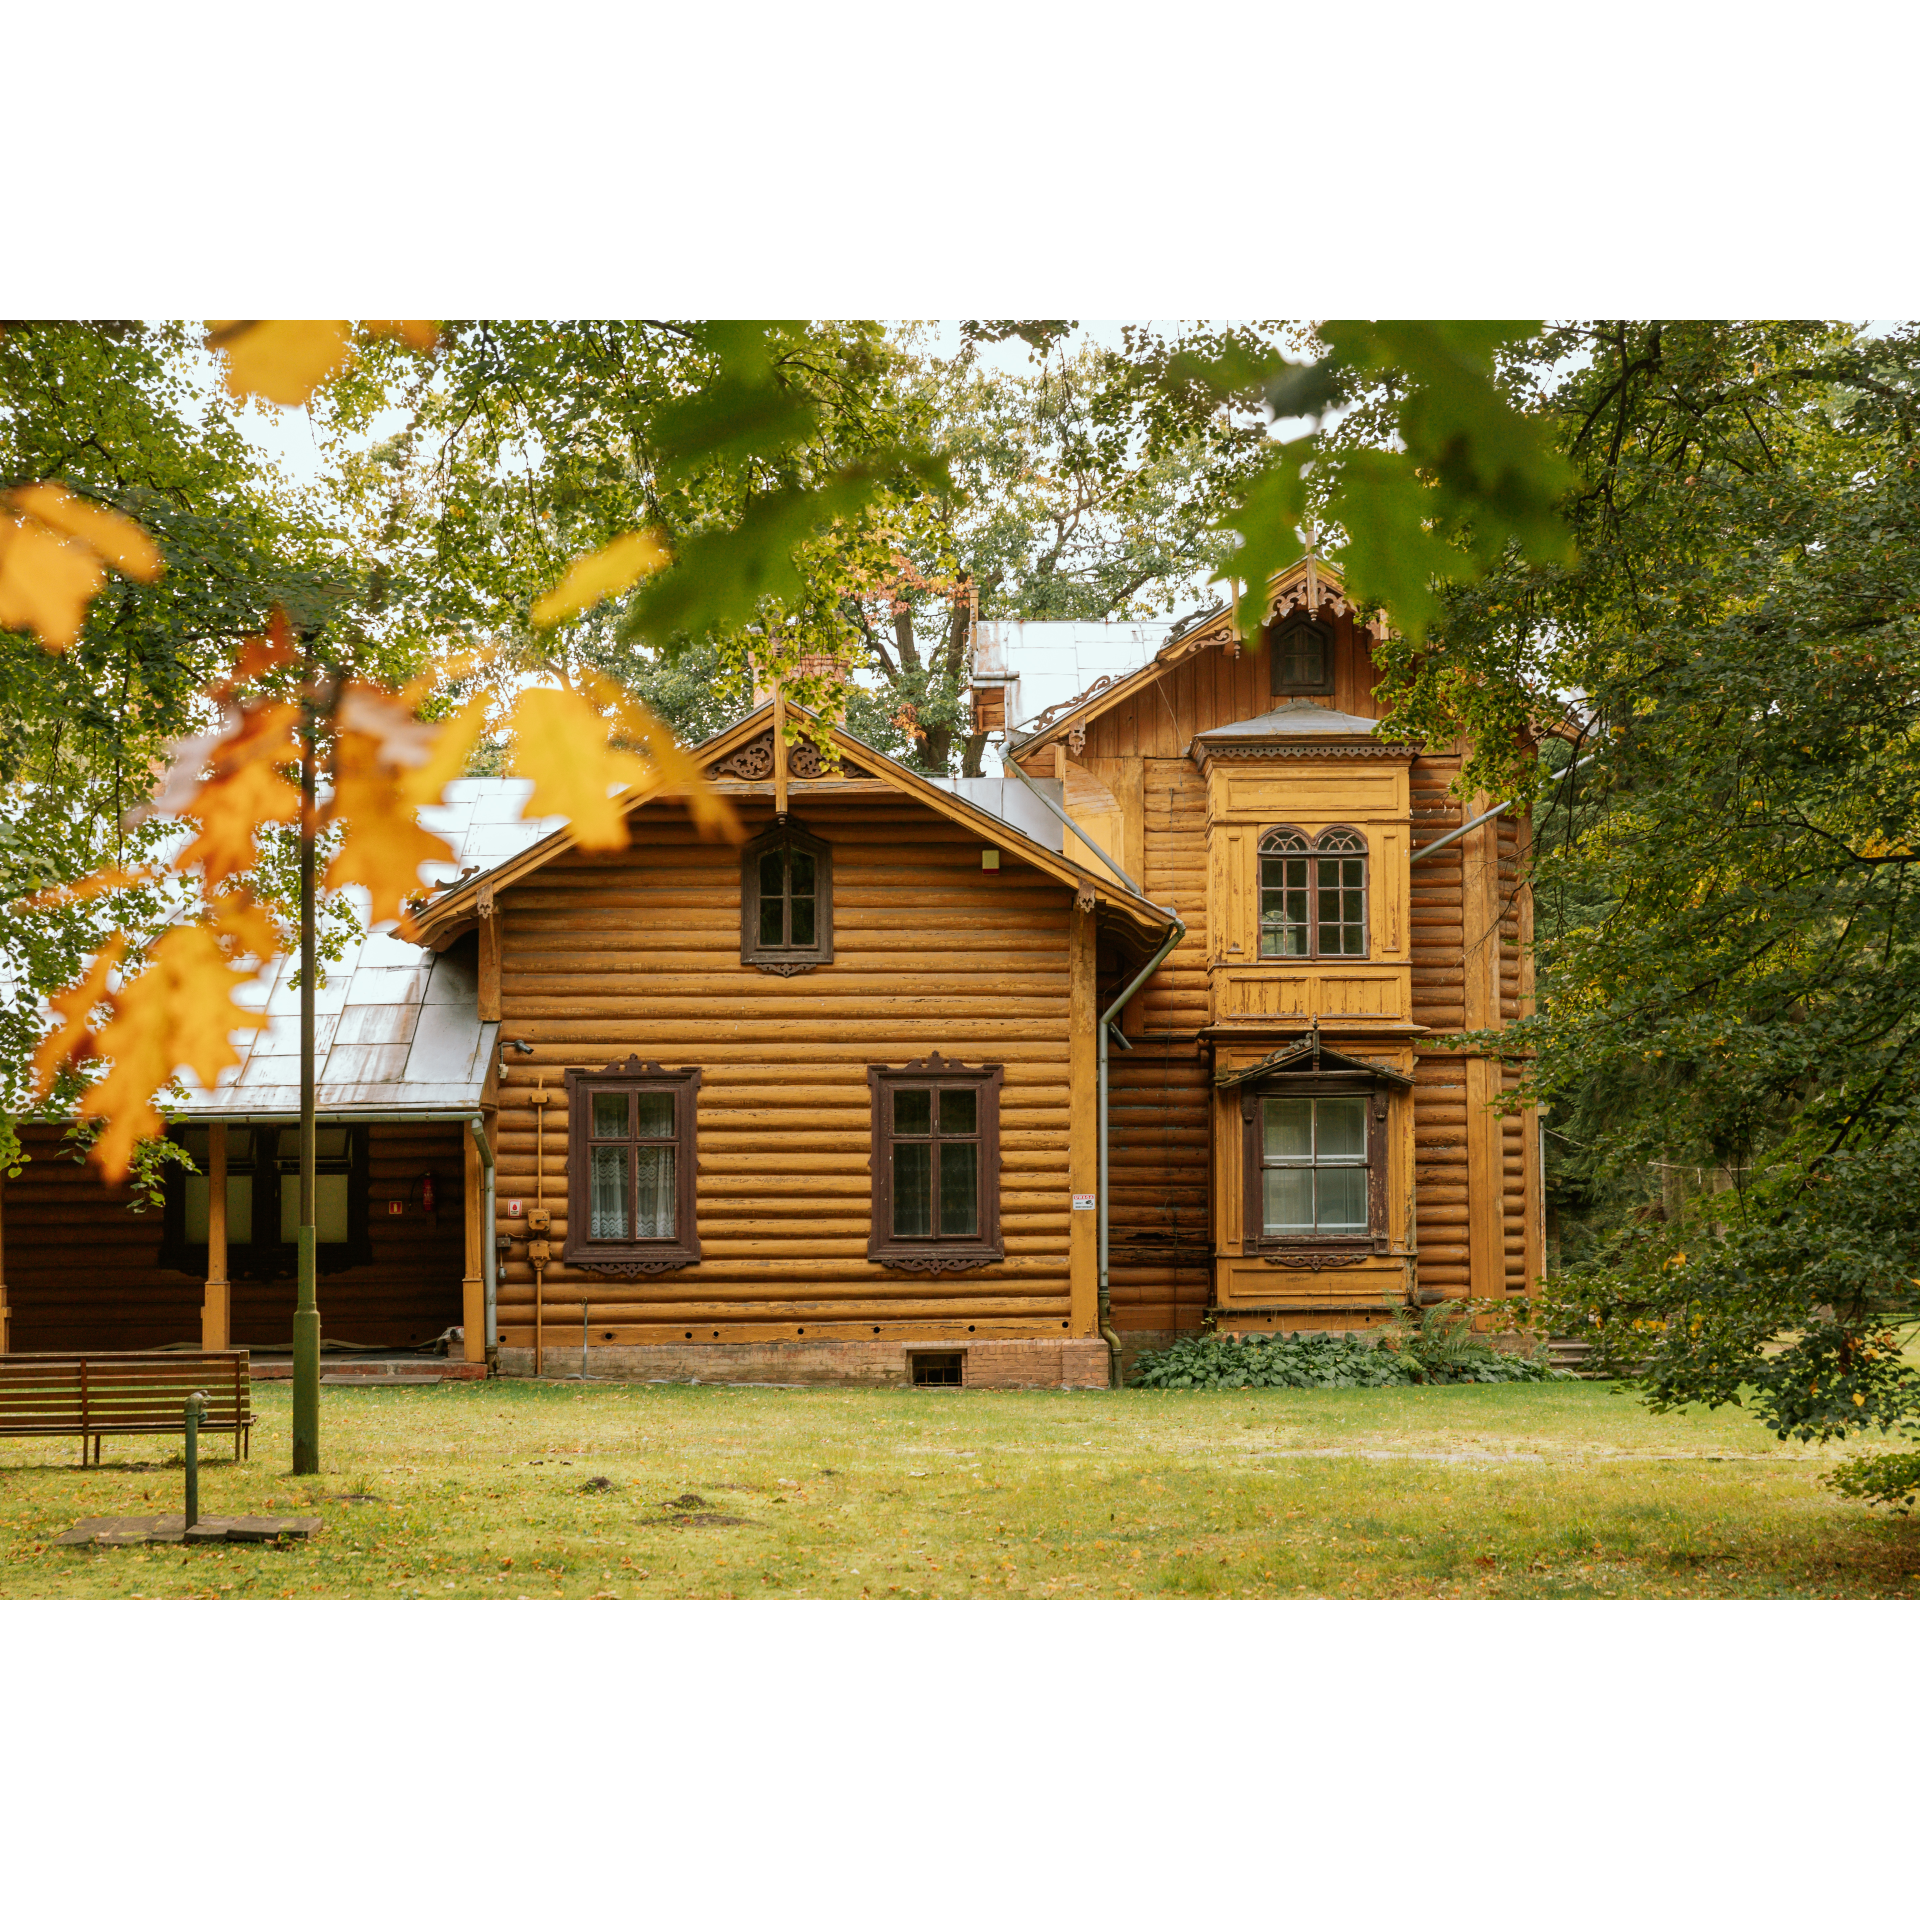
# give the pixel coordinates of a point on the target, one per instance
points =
(1294, 720)
(397, 1029)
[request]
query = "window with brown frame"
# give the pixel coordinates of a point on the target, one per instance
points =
(1301, 648)
(1316, 1163)
(936, 1165)
(786, 901)
(631, 1143)
(1313, 895)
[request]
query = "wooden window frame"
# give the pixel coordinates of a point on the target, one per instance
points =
(1278, 684)
(935, 1252)
(629, 1258)
(784, 959)
(1315, 851)
(1314, 1086)
(266, 1258)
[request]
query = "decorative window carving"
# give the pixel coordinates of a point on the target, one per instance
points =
(936, 1165)
(786, 902)
(1313, 895)
(1301, 649)
(632, 1137)
(1315, 1166)
(263, 1201)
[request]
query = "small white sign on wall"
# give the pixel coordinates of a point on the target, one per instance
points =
(1085, 1202)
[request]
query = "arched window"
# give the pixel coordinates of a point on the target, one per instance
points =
(1313, 896)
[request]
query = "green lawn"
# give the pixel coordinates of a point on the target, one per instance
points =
(480, 1490)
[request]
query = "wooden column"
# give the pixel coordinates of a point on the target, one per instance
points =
(216, 1316)
(1083, 1123)
(1480, 960)
(473, 1286)
(6, 1312)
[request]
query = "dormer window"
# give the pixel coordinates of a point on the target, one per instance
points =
(786, 902)
(1313, 895)
(1302, 652)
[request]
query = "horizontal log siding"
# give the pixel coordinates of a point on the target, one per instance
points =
(1439, 988)
(1160, 1236)
(638, 952)
(1440, 1174)
(1175, 800)
(1515, 1201)
(84, 1273)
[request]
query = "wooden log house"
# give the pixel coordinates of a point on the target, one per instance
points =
(1291, 1141)
(827, 1106)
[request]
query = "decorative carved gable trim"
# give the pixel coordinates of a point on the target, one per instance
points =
(753, 760)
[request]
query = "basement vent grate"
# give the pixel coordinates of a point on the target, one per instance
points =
(936, 1369)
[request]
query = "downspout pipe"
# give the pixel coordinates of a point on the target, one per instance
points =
(1061, 814)
(1480, 820)
(1105, 1026)
(489, 1251)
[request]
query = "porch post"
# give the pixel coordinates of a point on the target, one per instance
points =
(6, 1312)
(473, 1287)
(216, 1323)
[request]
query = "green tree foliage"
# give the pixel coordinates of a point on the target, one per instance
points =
(1731, 982)
(126, 415)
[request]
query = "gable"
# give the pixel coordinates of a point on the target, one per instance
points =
(741, 762)
(1208, 678)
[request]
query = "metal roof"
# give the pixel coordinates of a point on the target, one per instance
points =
(397, 1028)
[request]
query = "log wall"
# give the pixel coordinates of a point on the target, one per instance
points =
(604, 956)
(1476, 1176)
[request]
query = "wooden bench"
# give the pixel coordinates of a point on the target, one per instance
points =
(94, 1394)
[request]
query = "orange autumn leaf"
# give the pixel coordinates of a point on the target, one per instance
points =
(262, 652)
(178, 1012)
(423, 336)
(108, 880)
(593, 576)
(246, 790)
(384, 844)
(560, 744)
(54, 552)
(72, 1038)
(238, 918)
(285, 361)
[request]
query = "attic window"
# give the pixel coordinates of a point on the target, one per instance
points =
(786, 902)
(1302, 656)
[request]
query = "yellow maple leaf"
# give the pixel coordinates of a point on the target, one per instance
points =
(54, 552)
(72, 1037)
(246, 790)
(593, 576)
(108, 880)
(285, 361)
(675, 769)
(178, 1012)
(453, 746)
(560, 744)
(385, 843)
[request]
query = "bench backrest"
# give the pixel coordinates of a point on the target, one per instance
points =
(102, 1391)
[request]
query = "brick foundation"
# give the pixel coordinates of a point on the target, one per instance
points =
(836, 1363)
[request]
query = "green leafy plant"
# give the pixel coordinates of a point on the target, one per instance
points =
(1430, 1352)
